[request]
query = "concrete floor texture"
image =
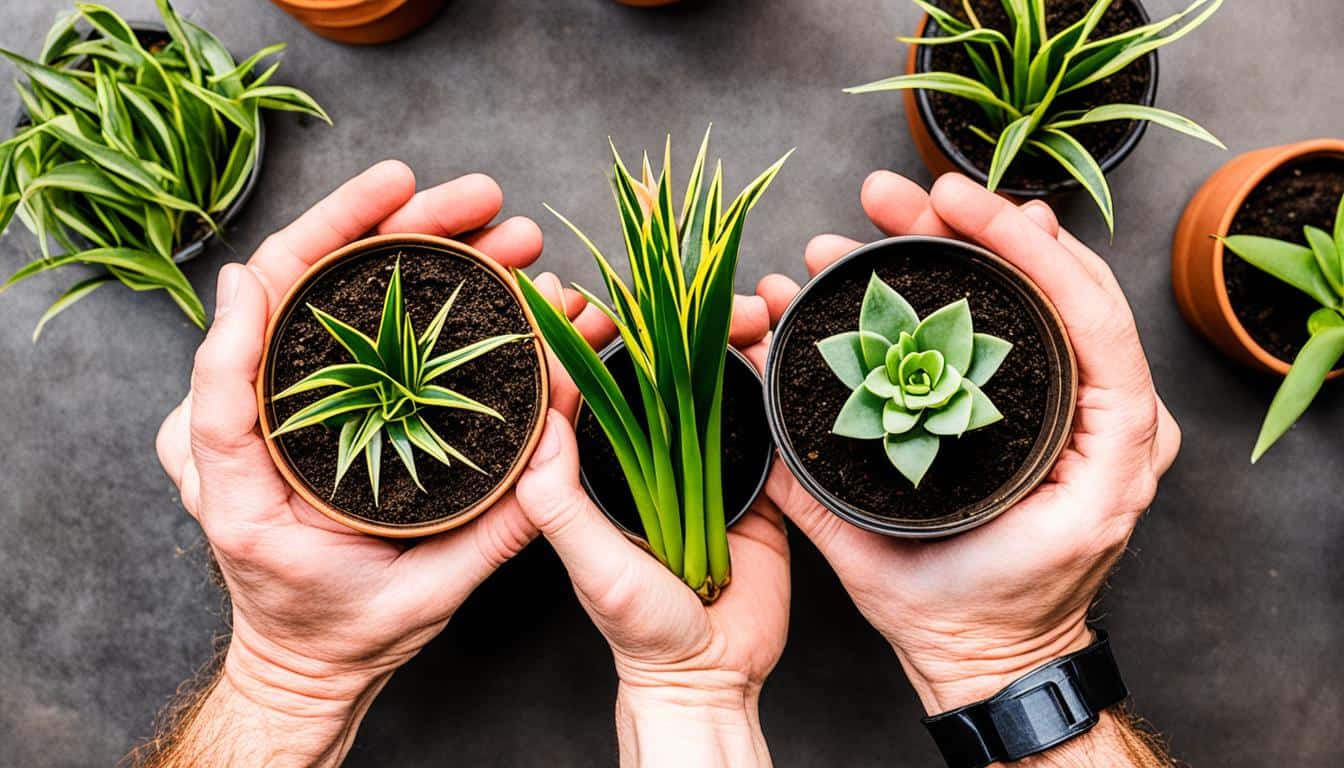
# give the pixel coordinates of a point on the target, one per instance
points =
(1226, 616)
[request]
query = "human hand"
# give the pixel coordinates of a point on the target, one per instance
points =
(690, 674)
(970, 614)
(321, 614)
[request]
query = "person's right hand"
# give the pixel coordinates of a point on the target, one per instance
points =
(967, 615)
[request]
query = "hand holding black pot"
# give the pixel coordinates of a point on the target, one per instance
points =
(322, 615)
(690, 674)
(969, 614)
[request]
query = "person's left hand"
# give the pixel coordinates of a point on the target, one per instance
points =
(690, 674)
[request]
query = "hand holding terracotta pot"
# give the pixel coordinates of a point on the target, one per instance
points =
(969, 614)
(322, 615)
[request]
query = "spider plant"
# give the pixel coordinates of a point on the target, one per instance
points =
(1316, 269)
(1022, 78)
(674, 318)
(129, 152)
(388, 388)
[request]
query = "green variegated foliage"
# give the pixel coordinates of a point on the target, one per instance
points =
(387, 389)
(1022, 78)
(674, 320)
(915, 381)
(128, 151)
(1316, 269)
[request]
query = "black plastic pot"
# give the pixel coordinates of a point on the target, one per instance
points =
(745, 436)
(149, 32)
(909, 255)
(931, 138)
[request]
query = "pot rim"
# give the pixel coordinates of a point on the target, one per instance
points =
(921, 61)
(198, 245)
(301, 487)
(311, 13)
(1282, 155)
(1055, 432)
(731, 519)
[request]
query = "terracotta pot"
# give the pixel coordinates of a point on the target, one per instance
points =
(362, 22)
(1056, 428)
(942, 156)
(265, 374)
(1197, 258)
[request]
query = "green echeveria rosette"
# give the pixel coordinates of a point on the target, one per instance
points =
(915, 381)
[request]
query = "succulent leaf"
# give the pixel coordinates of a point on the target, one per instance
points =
(885, 313)
(1327, 259)
(914, 392)
(1292, 263)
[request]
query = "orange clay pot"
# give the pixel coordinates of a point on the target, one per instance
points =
(266, 417)
(362, 22)
(1197, 258)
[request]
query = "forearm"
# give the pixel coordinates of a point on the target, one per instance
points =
(249, 716)
(1117, 741)
(680, 727)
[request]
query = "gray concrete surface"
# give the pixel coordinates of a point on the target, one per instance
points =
(1226, 617)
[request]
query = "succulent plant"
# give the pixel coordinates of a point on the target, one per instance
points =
(674, 320)
(915, 381)
(388, 387)
(130, 150)
(1316, 269)
(1021, 82)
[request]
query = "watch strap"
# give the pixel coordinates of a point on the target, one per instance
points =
(1046, 707)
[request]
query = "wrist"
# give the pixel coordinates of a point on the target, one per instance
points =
(657, 724)
(959, 669)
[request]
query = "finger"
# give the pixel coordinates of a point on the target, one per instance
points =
(515, 242)
(757, 353)
(173, 443)
(836, 539)
(345, 215)
(751, 321)
(451, 208)
(778, 292)
(226, 448)
(1042, 216)
(899, 206)
(612, 576)
(824, 250)
(1168, 441)
(1094, 264)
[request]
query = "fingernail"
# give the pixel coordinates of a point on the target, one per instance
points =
(226, 290)
(549, 445)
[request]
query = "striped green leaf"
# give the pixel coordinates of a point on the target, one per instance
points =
(1074, 158)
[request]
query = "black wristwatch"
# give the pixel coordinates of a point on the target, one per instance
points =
(1045, 708)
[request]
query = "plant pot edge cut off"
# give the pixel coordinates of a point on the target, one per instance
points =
(387, 21)
(940, 154)
(199, 243)
(1197, 259)
(410, 242)
(734, 360)
(1052, 436)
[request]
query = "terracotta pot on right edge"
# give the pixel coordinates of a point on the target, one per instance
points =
(1197, 276)
(362, 22)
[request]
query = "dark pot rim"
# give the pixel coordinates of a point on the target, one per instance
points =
(924, 62)
(266, 370)
(733, 517)
(198, 245)
(1054, 435)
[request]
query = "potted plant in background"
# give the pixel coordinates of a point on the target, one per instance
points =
(1038, 97)
(674, 407)
(362, 22)
(1256, 268)
(395, 346)
(136, 147)
(920, 427)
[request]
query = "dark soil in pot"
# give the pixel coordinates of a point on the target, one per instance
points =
(809, 396)
(747, 449)
(1302, 193)
(507, 379)
(1034, 172)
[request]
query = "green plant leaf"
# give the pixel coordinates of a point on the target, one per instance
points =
(981, 35)
(285, 98)
(879, 383)
(989, 353)
(58, 82)
(950, 331)
(943, 82)
(360, 347)
(77, 292)
(396, 434)
(861, 417)
(1327, 259)
(1110, 112)
(953, 418)
(942, 392)
(348, 375)
(844, 355)
(1146, 45)
(912, 453)
(1074, 158)
(884, 314)
(919, 372)
(1293, 264)
(983, 410)
(896, 420)
(60, 36)
(1317, 358)
(430, 337)
(1009, 144)
(446, 398)
(448, 361)
(331, 406)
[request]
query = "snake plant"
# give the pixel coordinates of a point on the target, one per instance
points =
(1022, 79)
(130, 150)
(674, 319)
(914, 381)
(388, 388)
(1316, 269)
